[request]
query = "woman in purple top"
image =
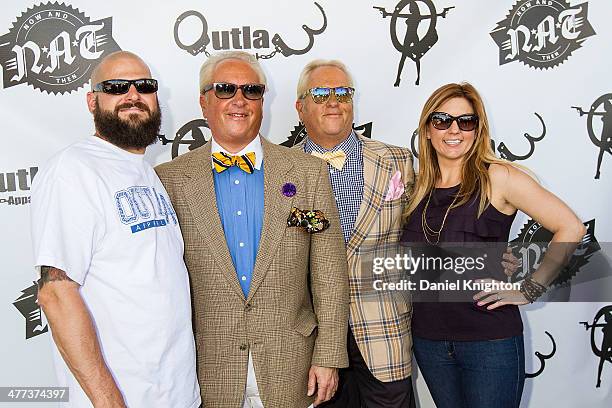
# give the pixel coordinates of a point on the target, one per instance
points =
(471, 354)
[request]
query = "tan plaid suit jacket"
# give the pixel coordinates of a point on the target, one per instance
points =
(380, 321)
(296, 311)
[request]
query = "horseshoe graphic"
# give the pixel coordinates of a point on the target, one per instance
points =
(413, 143)
(200, 44)
(283, 48)
(543, 358)
(505, 153)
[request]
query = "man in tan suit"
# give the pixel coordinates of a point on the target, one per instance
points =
(270, 300)
(372, 182)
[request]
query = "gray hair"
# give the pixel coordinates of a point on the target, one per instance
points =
(302, 85)
(208, 67)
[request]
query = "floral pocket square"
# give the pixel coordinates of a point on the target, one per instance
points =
(396, 187)
(311, 220)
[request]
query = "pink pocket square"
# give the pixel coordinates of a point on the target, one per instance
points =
(396, 187)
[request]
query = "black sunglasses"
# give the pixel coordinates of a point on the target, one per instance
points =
(122, 86)
(226, 90)
(344, 94)
(442, 121)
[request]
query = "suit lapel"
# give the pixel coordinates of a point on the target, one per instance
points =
(276, 210)
(200, 196)
(376, 176)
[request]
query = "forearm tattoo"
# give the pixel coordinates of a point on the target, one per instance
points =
(50, 274)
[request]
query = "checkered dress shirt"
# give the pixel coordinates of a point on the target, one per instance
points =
(346, 183)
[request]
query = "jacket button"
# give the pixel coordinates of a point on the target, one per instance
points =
(243, 347)
(248, 307)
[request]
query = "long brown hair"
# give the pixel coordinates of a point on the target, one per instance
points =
(474, 174)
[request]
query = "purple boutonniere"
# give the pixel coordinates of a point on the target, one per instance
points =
(289, 189)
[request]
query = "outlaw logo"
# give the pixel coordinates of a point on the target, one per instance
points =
(17, 182)
(245, 38)
(541, 33)
(54, 47)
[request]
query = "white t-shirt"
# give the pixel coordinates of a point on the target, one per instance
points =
(100, 214)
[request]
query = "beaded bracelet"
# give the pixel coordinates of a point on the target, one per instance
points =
(532, 289)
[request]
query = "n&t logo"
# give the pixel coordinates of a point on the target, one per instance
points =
(54, 47)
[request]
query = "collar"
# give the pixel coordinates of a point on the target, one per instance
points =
(253, 146)
(348, 146)
(135, 157)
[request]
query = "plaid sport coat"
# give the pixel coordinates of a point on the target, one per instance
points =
(296, 311)
(380, 321)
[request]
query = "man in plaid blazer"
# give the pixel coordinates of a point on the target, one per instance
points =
(371, 181)
(270, 300)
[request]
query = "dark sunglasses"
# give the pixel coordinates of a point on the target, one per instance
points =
(122, 86)
(225, 90)
(442, 121)
(344, 94)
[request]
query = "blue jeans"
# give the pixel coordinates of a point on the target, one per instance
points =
(473, 374)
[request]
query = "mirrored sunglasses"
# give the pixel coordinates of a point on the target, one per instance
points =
(343, 94)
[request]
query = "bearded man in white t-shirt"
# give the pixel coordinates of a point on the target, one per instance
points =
(113, 283)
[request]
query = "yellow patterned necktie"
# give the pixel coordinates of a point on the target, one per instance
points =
(335, 159)
(223, 161)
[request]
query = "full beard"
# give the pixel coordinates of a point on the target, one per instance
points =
(131, 133)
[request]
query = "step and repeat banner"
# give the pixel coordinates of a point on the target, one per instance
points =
(543, 67)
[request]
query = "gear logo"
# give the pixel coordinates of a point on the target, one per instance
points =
(299, 133)
(54, 47)
(532, 243)
(28, 307)
(191, 135)
(542, 33)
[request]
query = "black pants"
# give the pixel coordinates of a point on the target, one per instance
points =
(358, 388)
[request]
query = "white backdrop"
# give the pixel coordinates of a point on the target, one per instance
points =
(36, 121)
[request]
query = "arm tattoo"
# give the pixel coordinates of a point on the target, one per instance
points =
(50, 274)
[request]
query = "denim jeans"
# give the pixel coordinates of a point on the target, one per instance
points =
(473, 374)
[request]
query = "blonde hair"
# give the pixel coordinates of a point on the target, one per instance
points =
(474, 174)
(208, 67)
(302, 85)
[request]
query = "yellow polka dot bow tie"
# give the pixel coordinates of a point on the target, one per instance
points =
(223, 161)
(335, 159)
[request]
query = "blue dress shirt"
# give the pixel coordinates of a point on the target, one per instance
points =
(240, 201)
